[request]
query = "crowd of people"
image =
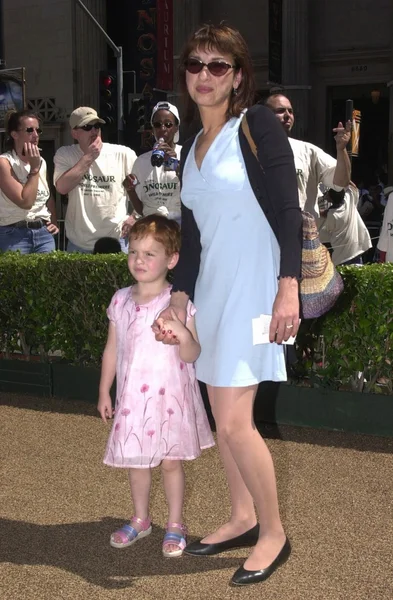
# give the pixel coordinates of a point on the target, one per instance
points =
(162, 337)
(108, 187)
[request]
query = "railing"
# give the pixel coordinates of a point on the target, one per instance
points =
(60, 239)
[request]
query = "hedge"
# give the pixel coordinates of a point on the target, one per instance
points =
(55, 304)
(352, 346)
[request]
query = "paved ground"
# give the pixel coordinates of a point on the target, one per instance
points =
(59, 504)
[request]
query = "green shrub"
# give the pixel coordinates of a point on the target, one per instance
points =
(57, 302)
(354, 341)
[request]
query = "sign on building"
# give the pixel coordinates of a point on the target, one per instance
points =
(12, 92)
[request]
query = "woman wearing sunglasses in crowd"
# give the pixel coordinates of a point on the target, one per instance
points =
(240, 258)
(27, 209)
(156, 188)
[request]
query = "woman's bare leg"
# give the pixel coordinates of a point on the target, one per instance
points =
(242, 505)
(249, 466)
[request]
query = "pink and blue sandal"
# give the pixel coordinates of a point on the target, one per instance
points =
(129, 535)
(174, 539)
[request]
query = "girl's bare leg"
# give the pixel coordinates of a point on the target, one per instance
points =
(174, 481)
(140, 483)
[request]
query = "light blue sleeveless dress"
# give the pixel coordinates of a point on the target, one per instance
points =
(239, 266)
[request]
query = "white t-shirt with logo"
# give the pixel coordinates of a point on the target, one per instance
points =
(157, 187)
(11, 212)
(385, 242)
(344, 228)
(313, 166)
(97, 206)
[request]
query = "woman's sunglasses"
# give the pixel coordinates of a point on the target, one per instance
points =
(166, 124)
(90, 127)
(218, 68)
(38, 130)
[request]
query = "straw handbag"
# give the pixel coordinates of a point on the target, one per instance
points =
(320, 284)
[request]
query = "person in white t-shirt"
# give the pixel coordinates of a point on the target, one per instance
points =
(313, 165)
(27, 208)
(93, 174)
(157, 189)
(385, 242)
(342, 226)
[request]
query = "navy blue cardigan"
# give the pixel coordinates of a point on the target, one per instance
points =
(275, 189)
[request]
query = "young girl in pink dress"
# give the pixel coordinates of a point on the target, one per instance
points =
(159, 417)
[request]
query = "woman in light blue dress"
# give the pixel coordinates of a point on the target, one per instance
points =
(240, 258)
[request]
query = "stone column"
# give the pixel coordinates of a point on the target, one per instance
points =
(296, 61)
(390, 85)
(187, 18)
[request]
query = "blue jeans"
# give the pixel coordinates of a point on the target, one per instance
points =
(71, 247)
(357, 260)
(26, 240)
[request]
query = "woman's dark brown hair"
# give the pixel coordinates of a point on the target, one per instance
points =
(227, 40)
(12, 123)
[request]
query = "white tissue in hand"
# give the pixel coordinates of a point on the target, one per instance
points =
(162, 210)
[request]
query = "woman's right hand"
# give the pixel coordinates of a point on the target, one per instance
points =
(33, 156)
(162, 335)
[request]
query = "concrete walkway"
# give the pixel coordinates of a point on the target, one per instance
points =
(59, 504)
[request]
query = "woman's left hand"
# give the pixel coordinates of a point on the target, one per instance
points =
(285, 313)
(52, 228)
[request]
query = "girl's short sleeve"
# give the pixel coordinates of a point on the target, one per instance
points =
(111, 311)
(191, 310)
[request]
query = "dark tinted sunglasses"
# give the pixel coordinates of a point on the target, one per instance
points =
(218, 68)
(38, 130)
(166, 124)
(90, 127)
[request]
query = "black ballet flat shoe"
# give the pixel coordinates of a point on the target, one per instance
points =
(244, 577)
(245, 540)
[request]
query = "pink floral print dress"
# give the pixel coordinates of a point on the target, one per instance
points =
(159, 412)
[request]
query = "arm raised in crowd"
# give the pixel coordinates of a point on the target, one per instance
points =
(25, 195)
(72, 177)
(342, 174)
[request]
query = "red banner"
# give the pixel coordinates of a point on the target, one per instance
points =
(165, 45)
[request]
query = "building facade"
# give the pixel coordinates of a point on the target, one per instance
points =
(330, 50)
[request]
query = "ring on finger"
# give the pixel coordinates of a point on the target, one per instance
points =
(288, 326)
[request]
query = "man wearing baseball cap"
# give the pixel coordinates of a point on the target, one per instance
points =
(157, 189)
(93, 174)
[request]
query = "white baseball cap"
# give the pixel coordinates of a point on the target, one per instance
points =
(173, 109)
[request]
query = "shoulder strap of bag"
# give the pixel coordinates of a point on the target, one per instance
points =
(250, 140)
